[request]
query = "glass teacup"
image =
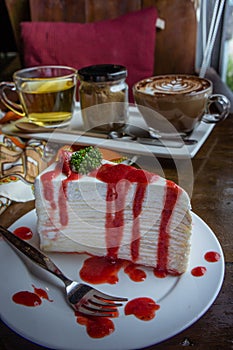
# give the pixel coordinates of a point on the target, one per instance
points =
(46, 94)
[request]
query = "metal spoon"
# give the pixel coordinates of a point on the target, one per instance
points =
(29, 127)
(173, 141)
(155, 134)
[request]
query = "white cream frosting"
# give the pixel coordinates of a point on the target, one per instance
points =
(85, 231)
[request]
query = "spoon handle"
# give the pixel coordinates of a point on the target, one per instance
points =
(25, 128)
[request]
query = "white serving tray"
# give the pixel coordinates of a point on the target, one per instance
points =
(71, 135)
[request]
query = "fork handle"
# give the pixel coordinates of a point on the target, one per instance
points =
(34, 254)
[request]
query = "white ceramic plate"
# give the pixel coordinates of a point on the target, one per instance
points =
(183, 300)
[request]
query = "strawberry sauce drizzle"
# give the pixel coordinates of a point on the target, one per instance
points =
(114, 225)
(62, 205)
(137, 208)
(47, 179)
(171, 196)
(61, 167)
(117, 189)
(119, 179)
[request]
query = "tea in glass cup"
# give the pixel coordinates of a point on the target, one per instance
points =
(46, 94)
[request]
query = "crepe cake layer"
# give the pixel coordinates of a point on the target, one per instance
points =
(116, 211)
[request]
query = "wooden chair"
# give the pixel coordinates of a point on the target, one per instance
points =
(175, 45)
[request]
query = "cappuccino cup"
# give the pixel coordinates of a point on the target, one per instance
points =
(178, 100)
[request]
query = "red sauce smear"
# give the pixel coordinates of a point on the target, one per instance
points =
(97, 270)
(119, 177)
(134, 272)
(212, 257)
(137, 208)
(142, 308)
(26, 298)
(23, 232)
(62, 205)
(160, 273)
(114, 225)
(47, 181)
(198, 271)
(97, 327)
(73, 176)
(31, 299)
(172, 192)
(41, 293)
(48, 191)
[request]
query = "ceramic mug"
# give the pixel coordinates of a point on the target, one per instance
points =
(182, 100)
(46, 94)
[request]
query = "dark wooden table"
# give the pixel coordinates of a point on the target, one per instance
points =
(212, 200)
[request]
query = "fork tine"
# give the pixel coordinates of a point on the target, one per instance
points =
(104, 303)
(91, 311)
(104, 309)
(101, 295)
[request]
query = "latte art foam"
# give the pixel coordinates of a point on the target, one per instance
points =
(172, 85)
(181, 100)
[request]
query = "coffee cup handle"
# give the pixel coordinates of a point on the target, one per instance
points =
(13, 106)
(224, 105)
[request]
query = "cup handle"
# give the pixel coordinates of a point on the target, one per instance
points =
(15, 107)
(217, 117)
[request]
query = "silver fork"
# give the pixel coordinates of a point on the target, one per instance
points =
(81, 297)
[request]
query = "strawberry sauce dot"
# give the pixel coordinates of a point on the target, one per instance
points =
(23, 232)
(212, 257)
(198, 271)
